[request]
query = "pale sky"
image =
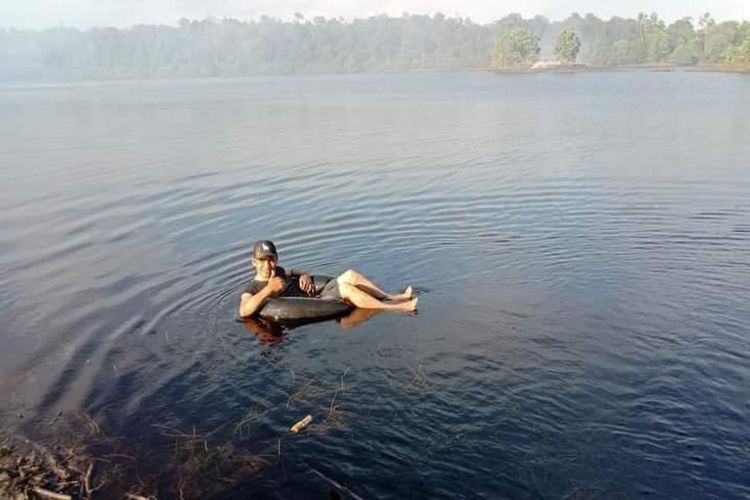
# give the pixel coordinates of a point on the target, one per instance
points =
(35, 14)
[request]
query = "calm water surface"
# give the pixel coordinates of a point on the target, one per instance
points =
(580, 245)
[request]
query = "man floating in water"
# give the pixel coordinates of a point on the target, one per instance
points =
(272, 280)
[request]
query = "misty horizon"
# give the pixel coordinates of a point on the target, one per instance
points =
(85, 14)
(230, 47)
(300, 17)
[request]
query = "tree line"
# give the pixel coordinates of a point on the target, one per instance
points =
(230, 47)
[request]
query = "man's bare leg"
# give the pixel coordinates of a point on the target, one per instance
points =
(362, 282)
(364, 300)
(396, 297)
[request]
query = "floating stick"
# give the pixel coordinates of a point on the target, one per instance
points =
(301, 424)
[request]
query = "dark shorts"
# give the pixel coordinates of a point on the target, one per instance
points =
(330, 290)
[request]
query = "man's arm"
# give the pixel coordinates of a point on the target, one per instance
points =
(251, 303)
(306, 283)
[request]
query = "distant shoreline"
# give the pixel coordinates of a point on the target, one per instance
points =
(720, 68)
(656, 68)
(578, 68)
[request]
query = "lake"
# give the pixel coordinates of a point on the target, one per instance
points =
(580, 246)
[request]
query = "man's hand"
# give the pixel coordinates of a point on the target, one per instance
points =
(306, 284)
(275, 284)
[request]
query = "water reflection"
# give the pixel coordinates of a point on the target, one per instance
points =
(267, 332)
(272, 332)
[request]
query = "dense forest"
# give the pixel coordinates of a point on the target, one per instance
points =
(230, 47)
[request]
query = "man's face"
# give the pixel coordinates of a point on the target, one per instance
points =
(264, 267)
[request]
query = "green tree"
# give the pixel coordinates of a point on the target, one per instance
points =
(741, 54)
(685, 40)
(725, 37)
(516, 47)
(706, 23)
(656, 40)
(684, 56)
(568, 45)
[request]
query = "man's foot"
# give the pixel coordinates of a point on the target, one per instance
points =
(407, 294)
(411, 305)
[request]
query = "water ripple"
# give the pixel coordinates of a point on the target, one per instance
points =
(583, 282)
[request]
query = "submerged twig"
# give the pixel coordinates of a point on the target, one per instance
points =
(336, 485)
(90, 422)
(418, 378)
(87, 480)
(251, 416)
(344, 376)
(117, 455)
(133, 496)
(50, 494)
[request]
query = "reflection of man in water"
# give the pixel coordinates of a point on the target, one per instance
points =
(270, 333)
(272, 280)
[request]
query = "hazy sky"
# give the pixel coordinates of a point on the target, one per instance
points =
(87, 13)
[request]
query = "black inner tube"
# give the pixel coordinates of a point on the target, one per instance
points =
(302, 308)
(305, 308)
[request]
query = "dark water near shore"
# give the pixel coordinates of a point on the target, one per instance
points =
(580, 244)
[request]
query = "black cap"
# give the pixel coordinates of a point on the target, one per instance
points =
(264, 248)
